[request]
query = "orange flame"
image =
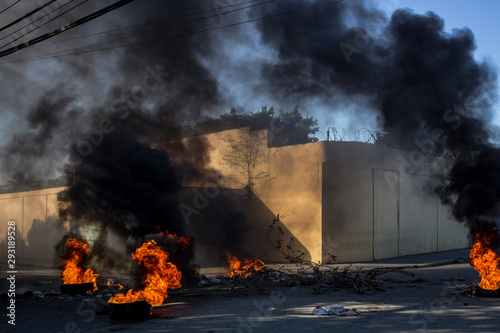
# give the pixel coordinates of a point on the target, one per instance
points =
(110, 283)
(244, 267)
(161, 275)
(184, 241)
(73, 271)
(485, 261)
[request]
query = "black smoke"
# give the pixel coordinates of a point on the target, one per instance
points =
(423, 82)
(127, 185)
(419, 79)
(158, 74)
(101, 112)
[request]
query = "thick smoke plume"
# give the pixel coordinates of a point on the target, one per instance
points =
(422, 82)
(101, 113)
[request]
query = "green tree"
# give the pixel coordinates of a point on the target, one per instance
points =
(284, 128)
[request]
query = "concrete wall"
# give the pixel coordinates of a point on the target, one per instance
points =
(373, 209)
(353, 200)
(356, 201)
(223, 152)
(347, 213)
(287, 182)
(38, 226)
(293, 190)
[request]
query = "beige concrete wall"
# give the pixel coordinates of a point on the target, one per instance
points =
(418, 217)
(288, 183)
(352, 200)
(293, 190)
(38, 226)
(215, 152)
(348, 213)
(373, 209)
(386, 217)
(450, 232)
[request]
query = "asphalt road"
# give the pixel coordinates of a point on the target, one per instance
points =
(427, 302)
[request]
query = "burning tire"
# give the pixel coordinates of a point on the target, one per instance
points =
(132, 310)
(77, 288)
(488, 292)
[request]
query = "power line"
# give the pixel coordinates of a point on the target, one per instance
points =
(169, 19)
(182, 23)
(56, 55)
(83, 20)
(172, 26)
(27, 15)
(18, 1)
(27, 33)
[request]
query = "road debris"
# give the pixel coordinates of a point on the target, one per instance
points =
(335, 310)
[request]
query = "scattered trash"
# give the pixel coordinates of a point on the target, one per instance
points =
(319, 311)
(335, 310)
(468, 289)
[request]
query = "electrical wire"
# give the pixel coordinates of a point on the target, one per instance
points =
(170, 19)
(18, 1)
(36, 28)
(76, 23)
(56, 55)
(172, 26)
(182, 23)
(27, 15)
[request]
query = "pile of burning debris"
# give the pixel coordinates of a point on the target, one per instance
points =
(161, 277)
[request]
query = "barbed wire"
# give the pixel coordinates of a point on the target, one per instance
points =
(365, 135)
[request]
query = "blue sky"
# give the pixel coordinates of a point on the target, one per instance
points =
(481, 17)
(235, 65)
